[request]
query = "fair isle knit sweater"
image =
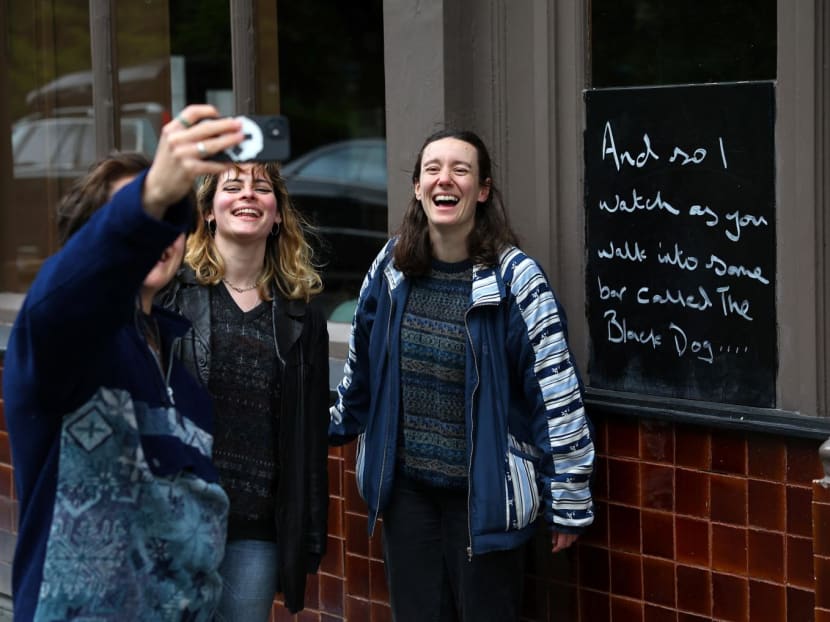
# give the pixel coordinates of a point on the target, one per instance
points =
(433, 346)
(245, 389)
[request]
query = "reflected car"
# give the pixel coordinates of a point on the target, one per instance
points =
(140, 89)
(341, 189)
(64, 146)
(48, 154)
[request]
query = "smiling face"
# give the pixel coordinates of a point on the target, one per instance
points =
(448, 185)
(244, 206)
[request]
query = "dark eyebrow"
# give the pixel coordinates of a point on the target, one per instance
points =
(255, 180)
(453, 163)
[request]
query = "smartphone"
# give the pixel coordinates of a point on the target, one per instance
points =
(267, 139)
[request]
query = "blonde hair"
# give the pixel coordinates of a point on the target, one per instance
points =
(288, 263)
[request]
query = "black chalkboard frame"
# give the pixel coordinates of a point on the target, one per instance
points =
(734, 124)
(707, 414)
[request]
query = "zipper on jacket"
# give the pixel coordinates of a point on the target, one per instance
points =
(386, 431)
(472, 441)
(173, 345)
(165, 378)
(168, 391)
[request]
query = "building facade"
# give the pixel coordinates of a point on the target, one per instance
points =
(709, 499)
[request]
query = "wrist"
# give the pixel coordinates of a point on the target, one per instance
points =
(152, 200)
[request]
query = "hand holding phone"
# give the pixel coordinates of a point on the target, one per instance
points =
(267, 139)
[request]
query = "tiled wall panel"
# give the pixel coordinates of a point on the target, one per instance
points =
(692, 524)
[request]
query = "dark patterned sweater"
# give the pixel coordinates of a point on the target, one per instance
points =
(433, 358)
(244, 386)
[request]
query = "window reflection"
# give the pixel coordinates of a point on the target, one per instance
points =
(334, 99)
(650, 42)
(55, 146)
(49, 128)
(200, 48)
(175, 52)
(341, 188)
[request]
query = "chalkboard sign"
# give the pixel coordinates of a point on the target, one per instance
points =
(680, 228)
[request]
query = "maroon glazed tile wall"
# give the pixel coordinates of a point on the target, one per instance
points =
(351, 584)
(821, 550)
(718, 524)
(692, 524)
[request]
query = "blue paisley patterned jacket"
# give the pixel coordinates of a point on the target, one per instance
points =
(529, 447)
(121, 515)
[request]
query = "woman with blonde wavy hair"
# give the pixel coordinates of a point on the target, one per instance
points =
(262, 352)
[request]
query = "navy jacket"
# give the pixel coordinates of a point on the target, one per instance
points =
(529, 446)
(121, 515)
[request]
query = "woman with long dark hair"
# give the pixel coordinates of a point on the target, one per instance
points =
(462, 389)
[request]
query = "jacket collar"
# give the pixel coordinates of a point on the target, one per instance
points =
(187, 275)
(171, 324)
(293, 308)
(288, 315)
(488, 288)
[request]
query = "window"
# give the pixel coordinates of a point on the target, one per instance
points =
(656, 43)
(170, 55)
(650, 42)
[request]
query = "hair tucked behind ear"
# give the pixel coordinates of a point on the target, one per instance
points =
(91, 192)
(288, 260)
(491, 232)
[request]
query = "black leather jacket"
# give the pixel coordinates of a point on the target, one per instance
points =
(301, 343)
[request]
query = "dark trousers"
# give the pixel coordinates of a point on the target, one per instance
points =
(430, 578)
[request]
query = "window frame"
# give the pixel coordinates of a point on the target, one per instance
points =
(526, 100)
(802, 173)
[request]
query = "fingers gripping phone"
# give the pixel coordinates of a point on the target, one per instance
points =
(267, 139)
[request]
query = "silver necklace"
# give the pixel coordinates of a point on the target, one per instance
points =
(239, 290)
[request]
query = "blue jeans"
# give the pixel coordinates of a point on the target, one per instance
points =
(430, 578)
(249, 581)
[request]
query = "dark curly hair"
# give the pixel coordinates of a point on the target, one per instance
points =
(491, 232)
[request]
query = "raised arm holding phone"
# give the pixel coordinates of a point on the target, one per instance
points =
(121, 513)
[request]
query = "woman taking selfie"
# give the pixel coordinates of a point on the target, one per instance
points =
(121, 514)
